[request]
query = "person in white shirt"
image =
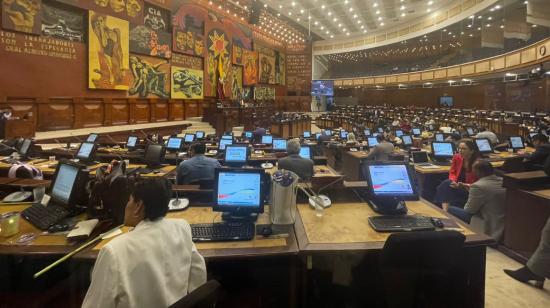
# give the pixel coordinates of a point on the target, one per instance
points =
(485, 133)
(155, 264)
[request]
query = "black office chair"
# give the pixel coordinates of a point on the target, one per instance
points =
(417, 268)
(514, 164)
(204, 296)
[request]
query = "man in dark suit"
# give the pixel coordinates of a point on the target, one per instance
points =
(303, 167)
(542, 149)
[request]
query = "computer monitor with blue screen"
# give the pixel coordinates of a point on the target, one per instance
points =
(132, 142)
(407, 140)
(223, 143)
(366, 132)
(380, 130)
(248, 134)
(483, 145)
(416, 131)
(398, 133)
(328, 132)
(174, 144)
(516, 143)
(236, 154)
(470, 131)
(343, 134)
(64, 184)
(86, 151)
(305, 152)
(226, 137)
(372, 141)
(199, 134)
(189, 138)
(317, 136)
(307, 134)
(239, 192)
(439, 137)
(92, 138)
(267, 139)
(443, 149)
(279, 144)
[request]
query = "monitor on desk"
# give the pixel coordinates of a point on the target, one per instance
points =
(68, 183)
(86, 151)
(132, 142)
(224, 143)
(407, 140)
(92, 138)
(398, 133)
(199, 134)
(416, 131)
(317, 136)
(174, 144)
(25, 147)
(366, 132)
(248, 134)
(380, 130)
(443, 149)
(154, 155)
(372, 141)
(236, 155)
(239, 192)
(439, 137)
(516, 143)
(470, 131)
(305, 152)
(227, 137)
(267, 139)
(189, 138)
(343, 134)
(307, 134)
(279, 144)
(483, 145)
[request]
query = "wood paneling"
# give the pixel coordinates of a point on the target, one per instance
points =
(468, 69)
(513, 59)
(88, 113)
(55, 114)
(140, 111)
(177, 112)
(528, 55)
(117, 112)
(439, 74)
(498, 63)
(159, 110)
(191, 109)
(428, 75)
(482, 67)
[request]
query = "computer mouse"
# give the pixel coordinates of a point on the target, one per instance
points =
(437, 222)
(265, 231)
(156, 171)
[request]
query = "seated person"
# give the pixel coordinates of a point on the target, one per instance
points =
(303, 167)
(454, 138)
(485, 133)
(536, 160)
(538, 266)
(382, 150)
(351, 139)
(446, 129)
(155, 264)
(394, 139)
(449, 192)
(197, 168)
(258, 133)
(486, 201)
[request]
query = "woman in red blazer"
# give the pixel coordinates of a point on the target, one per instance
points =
(449, 192)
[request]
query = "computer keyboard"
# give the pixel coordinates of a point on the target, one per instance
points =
(44, 217)
(144, 170)
(400, 223)
(218, 232)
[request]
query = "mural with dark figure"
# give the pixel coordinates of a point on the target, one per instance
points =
(149, 78)
(62, 23)
(186, 83)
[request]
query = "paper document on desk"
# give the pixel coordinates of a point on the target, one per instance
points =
(429, 167)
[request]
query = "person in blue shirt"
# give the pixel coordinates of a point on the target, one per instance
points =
(197, 168)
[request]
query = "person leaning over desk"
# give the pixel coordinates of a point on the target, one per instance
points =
(449, 192)
(155, 264)
(536, 160)
(303, 167)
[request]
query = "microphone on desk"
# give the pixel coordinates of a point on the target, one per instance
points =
(178, 203)
(77, 138)
(112, 139)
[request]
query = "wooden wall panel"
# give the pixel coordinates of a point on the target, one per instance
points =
(177, 111)
(439, 74)
(117, 112)
(528, 55)
(498, 63)
(191, 109)
(55, 114)
(513, 59)
(140, 111)
(427, 75)
(88, 113)
(468, 69)
(159, 111)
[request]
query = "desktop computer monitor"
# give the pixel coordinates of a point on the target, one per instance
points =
(92, 138)
(443, 149)
(439, 137)
(248, 134)
(154, 155)
(470, 131)
(328, 132)
(86, 151)
(239, 192)
(227, 137)
(317, 136)
(189, 138)
(305, 152)
(307, 134)
(407, 140)
(516, 143)
(343, 134)
(380, 130)
(68, 184)
(366, 132)
(483, 145)
(398, 133)
(132, 142)
(224, 143)
(236, 154)
(372, 141)
(199, 134)
(279, 144)
(416, 131)
(25, 147)
(174, 144)
(267, 139)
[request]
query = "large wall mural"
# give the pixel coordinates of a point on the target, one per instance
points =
(150, 77)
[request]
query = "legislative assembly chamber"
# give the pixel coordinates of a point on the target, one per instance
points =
(275, 153)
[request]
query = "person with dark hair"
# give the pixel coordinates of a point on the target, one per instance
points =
(197, 168)
(485, 133)
(382, 150)
(258, 133)
(449, 191)
(485, 208)
(155, 264)
(536, 160)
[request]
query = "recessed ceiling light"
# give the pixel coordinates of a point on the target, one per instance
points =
(430, 2)
(323, 6)
(402, 8)
(377, 12)
(428, 10)
(293, 3)
(402, 14)
(351, 9)
(376, 4)
(381, 24)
